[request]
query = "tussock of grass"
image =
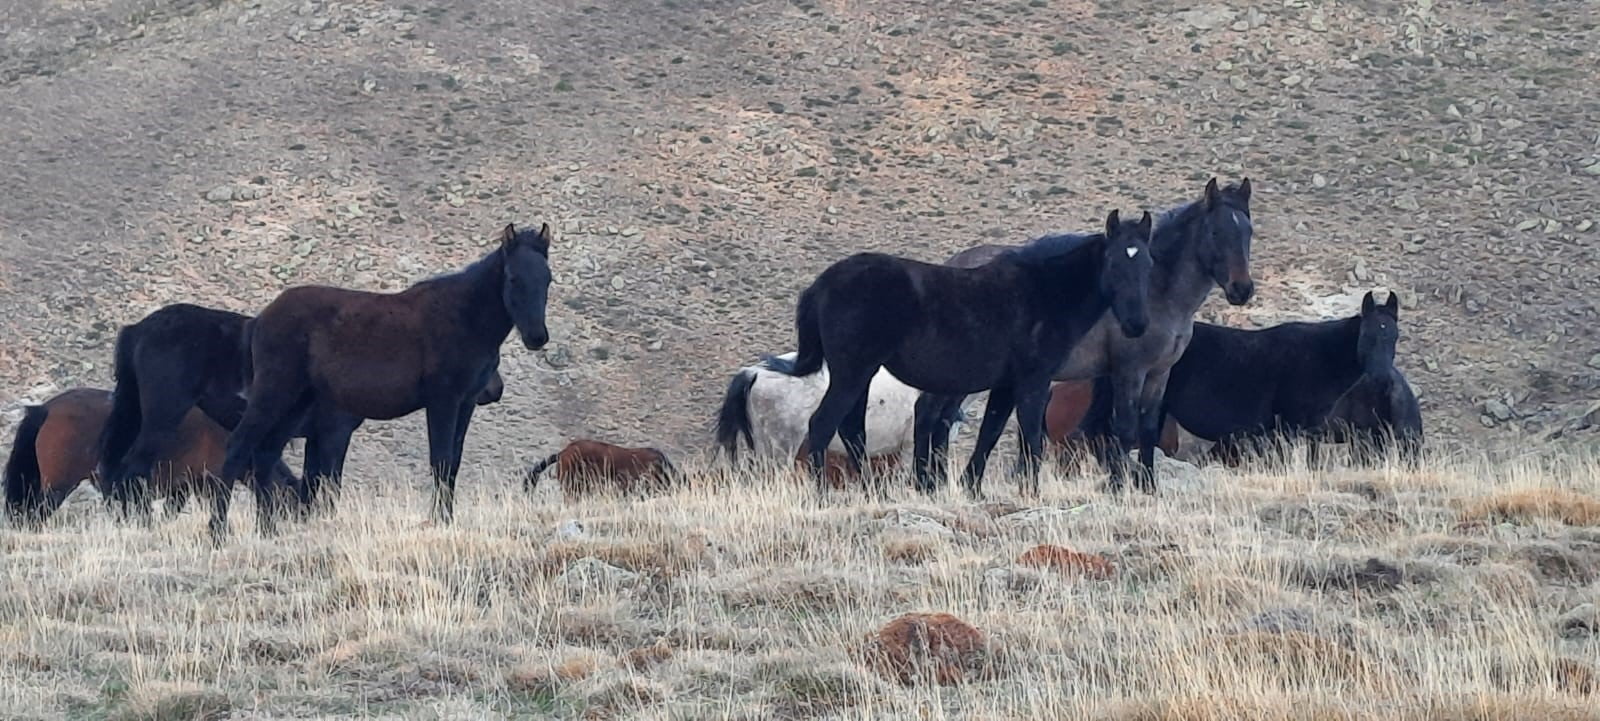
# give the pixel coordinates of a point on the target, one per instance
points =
(1538, 504)
(1260, 596)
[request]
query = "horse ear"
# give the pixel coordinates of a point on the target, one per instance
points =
(1393, 303)
(1144, 226)
(1368, 304)
(1209, 198)
(508, 236)
(1112, 220)
(544, 235)
(1244, 190)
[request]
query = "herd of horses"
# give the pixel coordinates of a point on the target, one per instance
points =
(1087, 338)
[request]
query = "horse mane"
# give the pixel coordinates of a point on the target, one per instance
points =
(1055, 247)
(1168, 221)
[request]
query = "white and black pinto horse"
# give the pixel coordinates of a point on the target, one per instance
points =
(772, 411)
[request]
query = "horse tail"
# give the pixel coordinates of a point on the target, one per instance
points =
(530, 480)
(24, 485)
(808, 327)
(733, 419)
(670, 475)
(122, 424)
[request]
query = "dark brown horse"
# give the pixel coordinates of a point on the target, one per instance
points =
(586, 467)
(181, 357)
(57, 447)
(1069, 403)
(321, 353)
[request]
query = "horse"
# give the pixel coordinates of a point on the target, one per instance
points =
(323, 353)
(1003, 327)
(836, 469)
(769, 408)
(1240, 387)
(178, 358)
(588, 466)
(57, 447)
(1196, 245)
(1379, 408)
(1069, 403)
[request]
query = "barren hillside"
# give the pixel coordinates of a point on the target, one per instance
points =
(703, 160)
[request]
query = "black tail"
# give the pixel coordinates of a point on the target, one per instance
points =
(23, 486)
(733, 419)
(247, 364)
(670, 475)
(530, 480)
(808, 356)
(122, 426)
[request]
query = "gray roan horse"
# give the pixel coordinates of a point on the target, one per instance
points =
(1202, 243)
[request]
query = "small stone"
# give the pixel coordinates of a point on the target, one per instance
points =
(1528, 224)
(1206, 18)
(1551, 226)
(617, 282)
(1453, 111)
(557, 356)
(1360, 271)
(570, 529)
(1317, 23)
(629, 232)
(1583, 226)
(1594, 361)
(1407, 202)
(1224, 65)
(574, 167)
(1593, 168)
(1238, 82)
(1291, 80)
(1318, 180)
(1498, 410)
(220, 194)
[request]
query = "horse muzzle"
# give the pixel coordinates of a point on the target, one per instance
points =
(535, 341)
(1240, 292)
(1134, 328)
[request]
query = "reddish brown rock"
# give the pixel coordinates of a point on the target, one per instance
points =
(937, 647)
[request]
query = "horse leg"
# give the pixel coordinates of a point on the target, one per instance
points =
(129, 484)
(995, 414)
(931, 424)
(268, 454)
(1152, 418)
(1030, 430)
(853, 434)
(463, 420)
(178, 497)
(442, 421)
(843, 395)
(328, 434)
(270, 412)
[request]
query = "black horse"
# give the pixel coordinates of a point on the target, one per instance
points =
(1380, 408)
(1195, 246)
(1004, 327)
(1246, 389)
(177, 358)
(317, 353)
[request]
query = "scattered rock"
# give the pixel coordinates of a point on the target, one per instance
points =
(1498, 410)
(1594, 361)
(931, 647)
(914, 523)
(570, 529)
(220, 194)
(1067, 561)
(1581, 622)
(1206, 18)
(591, 571)
(1407, 202)
(1291, 80)
(1318, 180)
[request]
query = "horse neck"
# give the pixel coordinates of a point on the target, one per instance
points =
(475, 292)
(1341, 344)
(1069, 283)
(1178, 282)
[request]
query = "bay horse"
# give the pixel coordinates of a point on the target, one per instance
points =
(57, 447)
(585, 467)
(770, 408)
(1069, 403)
(181, 357)
(1003, 326)
(1240, 388)
(324, 353)
(1195, 246)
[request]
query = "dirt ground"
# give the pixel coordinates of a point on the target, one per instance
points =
(702, 161)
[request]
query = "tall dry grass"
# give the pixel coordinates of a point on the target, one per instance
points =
(1288, 593)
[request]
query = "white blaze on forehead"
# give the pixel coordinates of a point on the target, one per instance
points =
(1132, 251)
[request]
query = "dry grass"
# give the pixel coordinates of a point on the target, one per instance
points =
(1260, 595)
